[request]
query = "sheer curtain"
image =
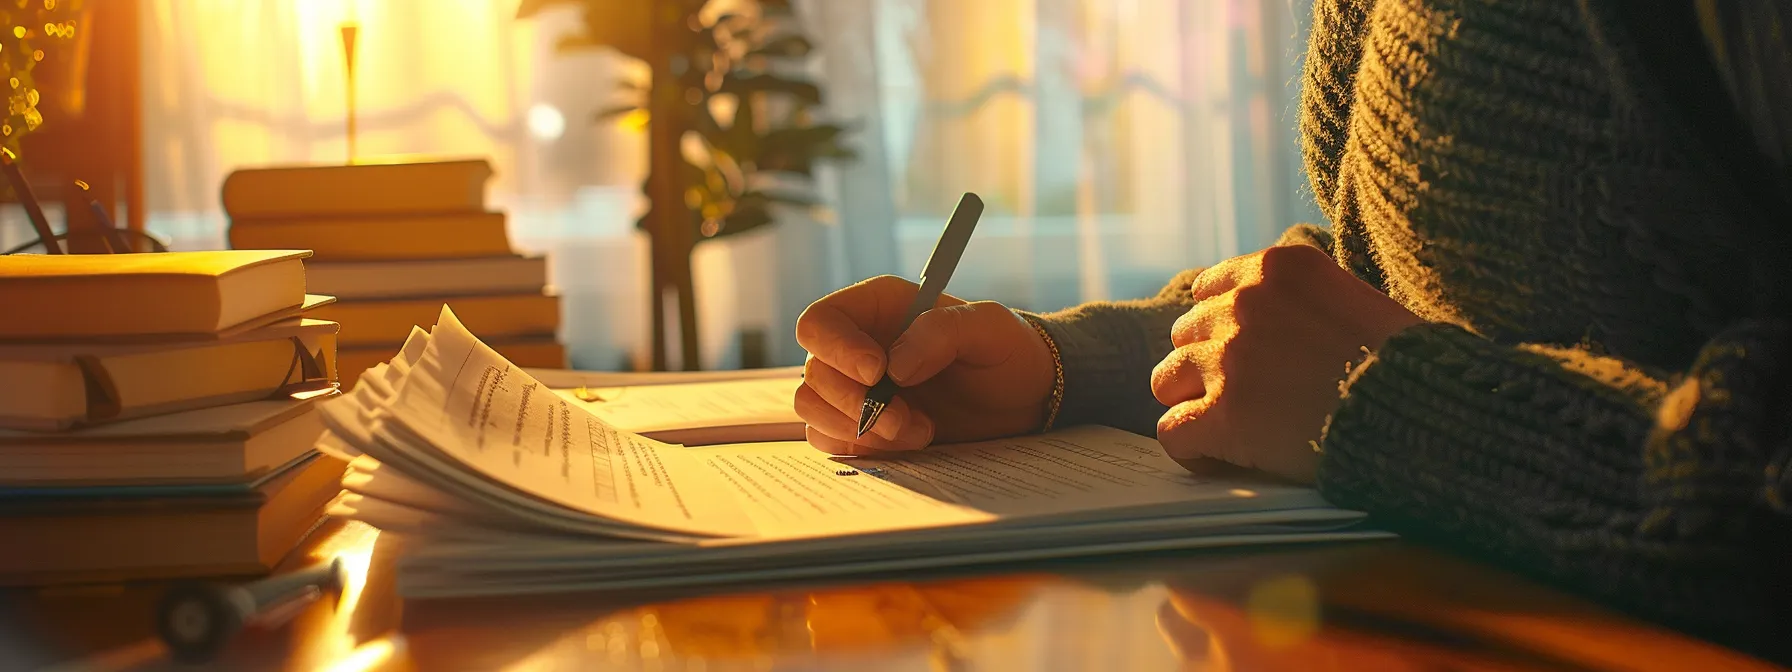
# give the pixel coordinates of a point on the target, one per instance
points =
(1115, 141)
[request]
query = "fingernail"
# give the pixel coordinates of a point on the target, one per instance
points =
(902, 363)
(868, 369)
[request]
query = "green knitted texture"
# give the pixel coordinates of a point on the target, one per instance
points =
(1598, 398)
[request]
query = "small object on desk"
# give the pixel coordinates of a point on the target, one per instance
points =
(934, 277)
(9, 162)
(590, 395)
(196, 620)
(114, 238)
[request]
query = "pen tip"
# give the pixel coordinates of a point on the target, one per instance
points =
(868, 415)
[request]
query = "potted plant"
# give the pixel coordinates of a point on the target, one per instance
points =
(732, 127)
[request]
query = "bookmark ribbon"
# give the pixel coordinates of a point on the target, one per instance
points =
(103, 402)
(308, 372)
(312, 370)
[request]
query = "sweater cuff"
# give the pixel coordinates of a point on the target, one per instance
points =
(1441, 418)
(1108, 351)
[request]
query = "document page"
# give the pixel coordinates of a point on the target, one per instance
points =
(477, 408)
(1073, 470)
(789, 489)
(648, 409)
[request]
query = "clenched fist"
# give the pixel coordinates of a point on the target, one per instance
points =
(1259, 357)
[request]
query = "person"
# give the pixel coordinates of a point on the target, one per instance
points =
(1548, 324)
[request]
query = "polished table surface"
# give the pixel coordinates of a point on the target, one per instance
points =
(1371, 605)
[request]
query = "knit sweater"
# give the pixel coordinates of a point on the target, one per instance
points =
(1599, 395)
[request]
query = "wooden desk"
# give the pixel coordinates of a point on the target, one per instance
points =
(1378, 606)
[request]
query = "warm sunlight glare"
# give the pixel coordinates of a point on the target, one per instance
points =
(1284, 610)
(369, 656)
(545, 122)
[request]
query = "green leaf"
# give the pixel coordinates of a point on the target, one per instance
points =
(575, 43)
(613, 112)
(704, 123)
(785, 197)
(742, 138)
(742, 220)
(795, 149)
(742, 83)
(788, 46)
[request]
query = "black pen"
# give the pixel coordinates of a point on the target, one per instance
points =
(934, 277)
(114, 239)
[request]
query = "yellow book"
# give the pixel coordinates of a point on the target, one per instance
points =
(380, 323)
(232, 443)
(437, 236)
(393, 279)
(92, 539)
(56, 387)
(401, 187)
(45, 296)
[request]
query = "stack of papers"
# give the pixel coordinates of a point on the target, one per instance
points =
(498, 485)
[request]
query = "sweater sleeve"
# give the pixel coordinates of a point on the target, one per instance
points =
(1108, 350)
(1667, 495)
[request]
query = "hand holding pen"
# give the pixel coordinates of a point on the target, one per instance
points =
(956, 371)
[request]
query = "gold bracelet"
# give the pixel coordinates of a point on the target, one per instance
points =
(1057, 400)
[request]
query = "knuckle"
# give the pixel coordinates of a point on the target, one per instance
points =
(1183, 331)
(1206, 281)
(985, 308)
(887, 283)
(1238, 365)
(1283, 262)
(1239, 352)
(933, 323)
(1168, 426)
(805, 402)
(1291, 255)
(1173, 431)
(1254, 298)
(1161, 379)
(954, 320)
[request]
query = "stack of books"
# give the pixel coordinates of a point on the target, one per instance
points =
(159, 414)
(393, 242)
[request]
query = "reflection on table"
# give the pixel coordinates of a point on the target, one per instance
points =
(1383, 606)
